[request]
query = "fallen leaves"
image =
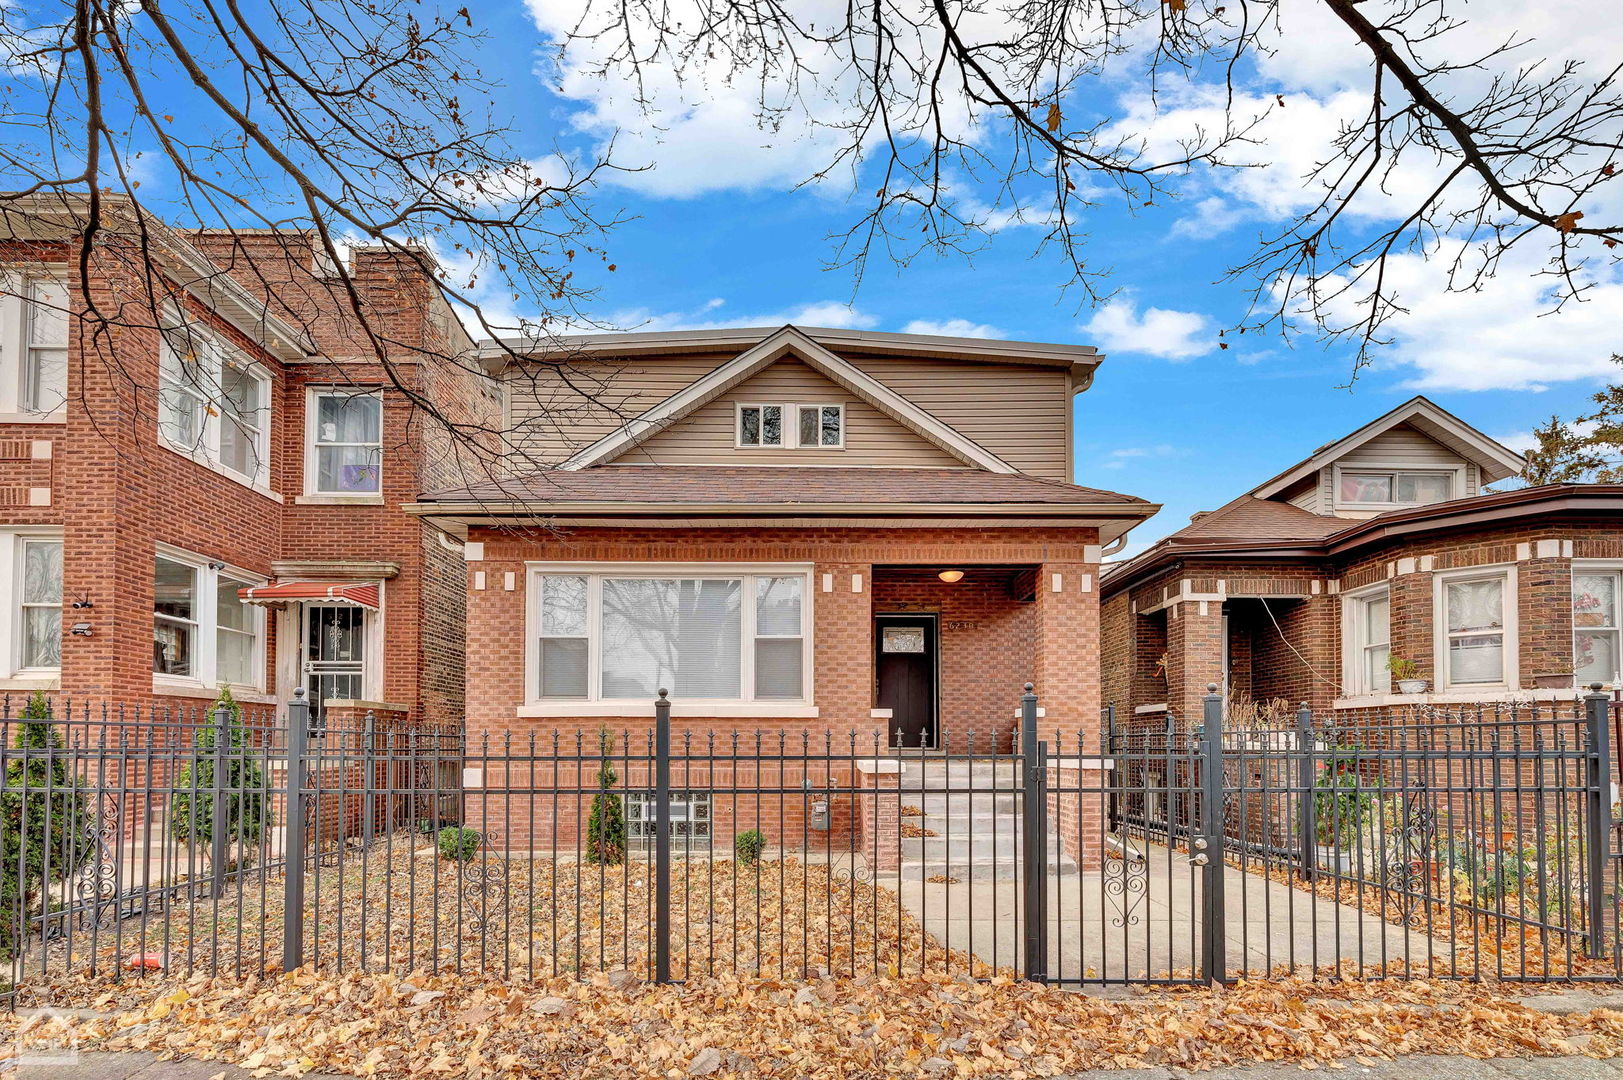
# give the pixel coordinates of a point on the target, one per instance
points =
(854, 1029)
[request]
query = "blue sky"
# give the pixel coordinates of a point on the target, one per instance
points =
(1172, 417)
(720, 231)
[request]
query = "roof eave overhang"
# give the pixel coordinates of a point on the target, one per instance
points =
(497, 355)
(58, 219)
(1571, 500)
(1112, 519)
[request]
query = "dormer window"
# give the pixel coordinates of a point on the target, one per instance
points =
(1395, 487)
(792, 426)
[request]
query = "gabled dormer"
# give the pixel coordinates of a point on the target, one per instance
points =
(1415, 455)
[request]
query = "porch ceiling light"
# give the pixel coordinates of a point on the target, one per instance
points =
(950, 576)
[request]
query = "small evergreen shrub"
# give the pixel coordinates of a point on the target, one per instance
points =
(191, 807)
(46, 822)
(748, 845)
(458, 844)
(606, 829)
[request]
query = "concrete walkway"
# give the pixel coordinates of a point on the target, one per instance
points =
(95, 1065)
(1140, 917)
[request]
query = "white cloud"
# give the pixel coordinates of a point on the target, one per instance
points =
(1507, 336)
(1122, 456)
(952, 328)
(830, 313)
(1171, 335)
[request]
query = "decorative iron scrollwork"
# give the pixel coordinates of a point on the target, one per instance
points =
(95, 888)
(1407, 868)
(483, 886)
(1126, 875)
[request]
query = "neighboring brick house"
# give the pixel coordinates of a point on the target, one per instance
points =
(1383, 543)
(865, 534)
(218, 502)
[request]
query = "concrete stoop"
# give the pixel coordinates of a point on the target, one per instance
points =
(972, 808)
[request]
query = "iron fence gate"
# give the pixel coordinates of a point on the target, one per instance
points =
(1471, 842)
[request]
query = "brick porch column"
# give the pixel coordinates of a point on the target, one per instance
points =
(879, 811)
(1067, 653)
(843, 659)
(1194, 655)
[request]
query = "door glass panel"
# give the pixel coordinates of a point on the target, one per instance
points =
(335, 654)
(903, 639)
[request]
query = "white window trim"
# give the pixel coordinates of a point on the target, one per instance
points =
(1455, 472)
(595, 705)
(206, 645)
(312, 493)
(797, 406)
(791, 424)
(1598, 566)
(1353, 645)
(738, 425)
(207, 454)
(1511, 676)
(14, 344)
(12, 675)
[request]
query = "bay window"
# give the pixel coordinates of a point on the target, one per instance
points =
(1595, 627)
(1476, 627)
(621, 634)
(1367, 637)
(202, 632)
(214, 405)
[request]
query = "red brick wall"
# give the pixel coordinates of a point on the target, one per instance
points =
(1309, 667)
(988, 653)
(117, 491)
(843, 648)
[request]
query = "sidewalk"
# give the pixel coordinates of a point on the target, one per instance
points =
(92, 1065)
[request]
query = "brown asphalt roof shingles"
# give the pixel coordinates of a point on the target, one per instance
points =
(1251, 518)
(778, 485)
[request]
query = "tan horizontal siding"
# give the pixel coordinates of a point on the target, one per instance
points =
(1402, 446)
(554, 412)
(706, 436)
(1018, 413)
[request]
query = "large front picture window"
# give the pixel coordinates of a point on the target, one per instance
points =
(704, 637)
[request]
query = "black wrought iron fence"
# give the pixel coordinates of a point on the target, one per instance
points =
(1465, 842)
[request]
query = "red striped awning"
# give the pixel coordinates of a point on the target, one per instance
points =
(358, 593)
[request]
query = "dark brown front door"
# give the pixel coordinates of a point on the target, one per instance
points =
(905, 669)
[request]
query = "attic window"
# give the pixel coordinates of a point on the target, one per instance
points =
(760, 425)
(822, 425)
(1394, 488)
(792, 426)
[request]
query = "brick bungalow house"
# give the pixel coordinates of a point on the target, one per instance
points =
(792, 529)
(218, 502)
(1380, 544)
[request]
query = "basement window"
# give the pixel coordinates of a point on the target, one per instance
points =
(690, 816)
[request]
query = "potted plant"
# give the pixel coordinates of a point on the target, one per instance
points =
(1406, 673)
(1341, 809)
